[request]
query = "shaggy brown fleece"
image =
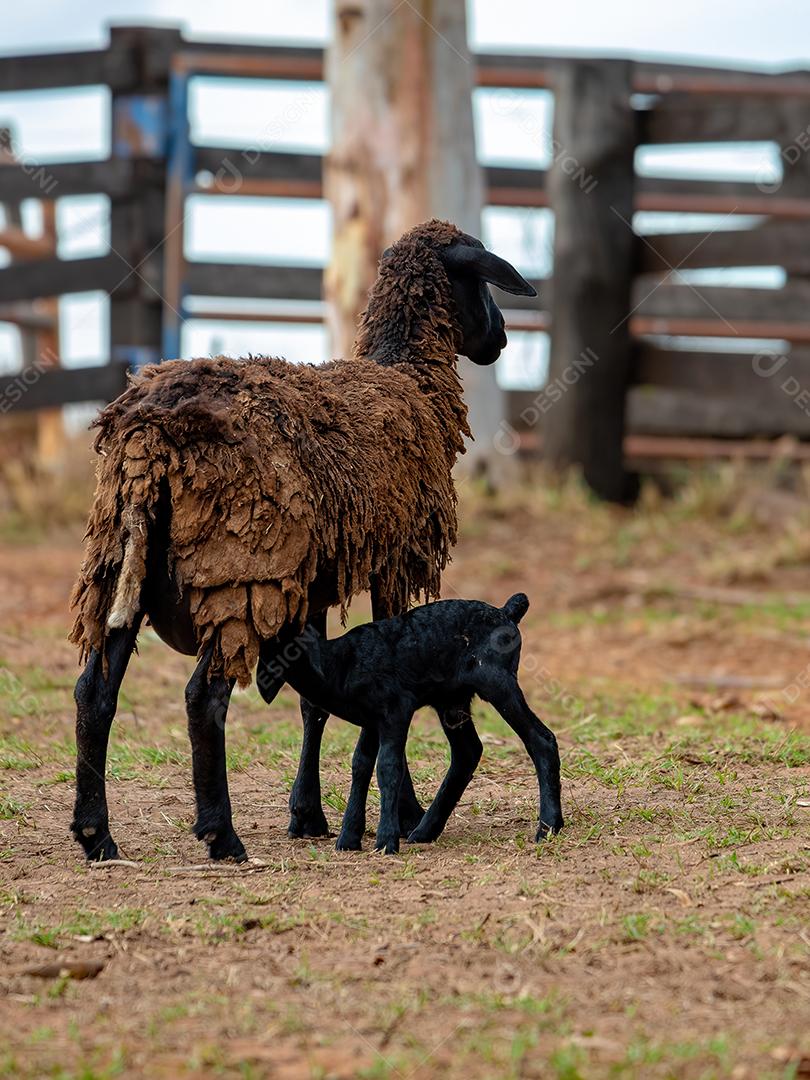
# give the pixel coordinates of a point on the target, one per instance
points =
(278, 473)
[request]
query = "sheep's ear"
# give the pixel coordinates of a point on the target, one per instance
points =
(487, 266)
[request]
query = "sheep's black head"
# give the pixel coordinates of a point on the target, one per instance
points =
(470, 269)
(411, 310)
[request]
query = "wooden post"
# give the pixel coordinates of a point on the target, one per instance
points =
(591, 192)
(140, 122)
(403, 150)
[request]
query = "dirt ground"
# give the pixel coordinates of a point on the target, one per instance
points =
(664, 933)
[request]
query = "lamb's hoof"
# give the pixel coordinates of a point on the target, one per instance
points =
(424, 834)
(410, 817)
(225, 845)
(347, 842)
(97, 843)
(308, 823)
(388, 845)
(545, 830)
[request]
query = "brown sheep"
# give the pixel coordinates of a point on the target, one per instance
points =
(238, 497)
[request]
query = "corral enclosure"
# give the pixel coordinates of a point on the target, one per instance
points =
(713, 271)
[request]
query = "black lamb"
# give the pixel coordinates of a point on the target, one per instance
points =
(439, 655)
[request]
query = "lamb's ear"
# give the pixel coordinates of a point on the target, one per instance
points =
(487, 266)
(516, 607)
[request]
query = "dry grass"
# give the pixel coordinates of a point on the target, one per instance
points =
(663, 934)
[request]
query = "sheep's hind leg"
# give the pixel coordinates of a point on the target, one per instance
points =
(207, 709)
(465, 753)
(541, 746)
(96, 700)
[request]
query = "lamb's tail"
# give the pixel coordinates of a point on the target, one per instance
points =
(516, 607)
(126, 599)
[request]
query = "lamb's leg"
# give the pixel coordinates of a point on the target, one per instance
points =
(541, 745)
(354, 818)
(207, 710)
(390, 774)
(465, 753)
(306, 811)
(411, 810)
(96, 700)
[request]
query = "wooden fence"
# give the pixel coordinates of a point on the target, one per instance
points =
(647, 362)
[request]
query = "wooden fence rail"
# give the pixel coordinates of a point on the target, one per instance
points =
(650, 380)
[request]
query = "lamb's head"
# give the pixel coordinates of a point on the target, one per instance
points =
(433, 284)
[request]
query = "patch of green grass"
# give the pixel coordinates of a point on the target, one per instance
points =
(11, 809)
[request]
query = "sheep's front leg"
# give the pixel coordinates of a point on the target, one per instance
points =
(411, 811)
(207, 709)
(96, 697)
(306, 811)
(354, 819)
(390, 774)
(541, 745)
(465, 753)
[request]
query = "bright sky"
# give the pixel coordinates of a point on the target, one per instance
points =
(510, 127)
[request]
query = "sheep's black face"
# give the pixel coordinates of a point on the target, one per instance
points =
(469, 267)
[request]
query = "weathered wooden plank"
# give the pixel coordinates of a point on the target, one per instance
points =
(688, 118)
(776, 243)
(49, 71)
(27, 316)
(737, 373)
(789, 304)
(229, 165)
(52, 277)
(266, 282)
(594, 253)
(111, 177)
(772, 411)
(36, 389)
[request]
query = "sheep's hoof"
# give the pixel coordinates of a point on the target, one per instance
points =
(103, 851)
(347, 842)
(96, 842)
(308, 823)
(225, 845)
(544, 830)
(424, 834)
(389, 846)
(410, 816)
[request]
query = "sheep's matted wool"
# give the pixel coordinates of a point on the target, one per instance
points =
(276, 474)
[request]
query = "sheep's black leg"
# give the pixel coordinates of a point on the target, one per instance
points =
(96, 700)
(390, 774)
(207, 710)
(465, 753)
(411, 810)
(306, 812)
(354, 818)
(541, 745)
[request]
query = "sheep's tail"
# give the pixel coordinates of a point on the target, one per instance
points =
(127, 597)
(130, 483)
(516, 607)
